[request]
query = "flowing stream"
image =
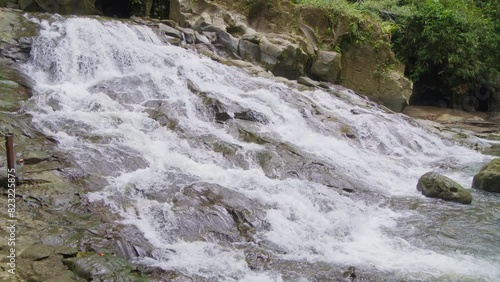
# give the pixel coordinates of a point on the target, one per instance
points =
(233, 177)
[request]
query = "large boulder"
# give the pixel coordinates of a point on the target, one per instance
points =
(435, 185)
(16, 36)
(249, 51)
(488, 178)
(327, 66)
(364, 70)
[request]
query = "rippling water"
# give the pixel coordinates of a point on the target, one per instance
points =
(315, 182)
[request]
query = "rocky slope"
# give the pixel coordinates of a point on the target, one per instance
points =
(65, 238)
(293, 41)
(288, 40)
(59, 235)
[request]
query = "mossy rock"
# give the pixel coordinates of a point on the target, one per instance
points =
(488, 178)
(13, 26)
(104, 267)
(226, 149)
(13, 89)
(435, 185)
(494, 150)
(251, 137)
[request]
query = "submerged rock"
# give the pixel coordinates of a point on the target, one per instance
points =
(435, 185)
(251, 115)
(488, 178)
(208, 212)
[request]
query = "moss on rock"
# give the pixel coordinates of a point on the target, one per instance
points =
(104, 267)
(435, 185)
(488, 178)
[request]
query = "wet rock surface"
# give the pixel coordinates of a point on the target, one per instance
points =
(488, 178)
(478, 130)
(55, 223)
(434, 185)
(327, 66)
(266, 39)
(478, 122)
(214, 213)
(58, 215)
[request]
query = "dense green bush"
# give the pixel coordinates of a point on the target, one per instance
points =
(454, 43)
(454, 39)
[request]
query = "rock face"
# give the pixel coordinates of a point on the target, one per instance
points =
(488, 178)
(16, 34)
(361, 72)
(327, 66)
(285, 40)
(282, 38)
(57, 228)
(435, 185)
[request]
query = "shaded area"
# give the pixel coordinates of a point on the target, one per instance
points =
(114, 8)
(431, 91)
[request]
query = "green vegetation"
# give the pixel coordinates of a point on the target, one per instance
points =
(156, 8)
(456, 40)
(454, 43)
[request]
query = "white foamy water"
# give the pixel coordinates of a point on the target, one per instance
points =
(94, 81)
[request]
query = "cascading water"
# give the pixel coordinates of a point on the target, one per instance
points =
(293, 186)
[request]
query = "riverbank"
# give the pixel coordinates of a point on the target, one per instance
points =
(464, 126)
(57, 235)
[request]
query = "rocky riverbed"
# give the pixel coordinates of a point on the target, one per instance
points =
(60, 235)
(464, 126)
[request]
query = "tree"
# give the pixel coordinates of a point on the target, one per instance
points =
(454, 43)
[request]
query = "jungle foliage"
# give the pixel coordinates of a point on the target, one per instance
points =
(456, 42)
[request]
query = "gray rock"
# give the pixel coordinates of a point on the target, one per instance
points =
(291, 62)
(173, 40)
(435, 185)
(253, 37)
(251, 115)
(488, 178)
(221, 117)
(363, 73)
(269, 53)
(66, 251)
(327, 66)
(307, 81)
(249, 51)
(309, 34)
(199, 38)
(34, 157)
(213, 213)
(188, 35)
(203, 19)
(170, 31)
(102, 268)
(37, 252)
(223, 38)
(257, 259)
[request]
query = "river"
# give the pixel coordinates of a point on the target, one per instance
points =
(234, 177)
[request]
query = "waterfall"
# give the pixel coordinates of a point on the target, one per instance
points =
(289, 185)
